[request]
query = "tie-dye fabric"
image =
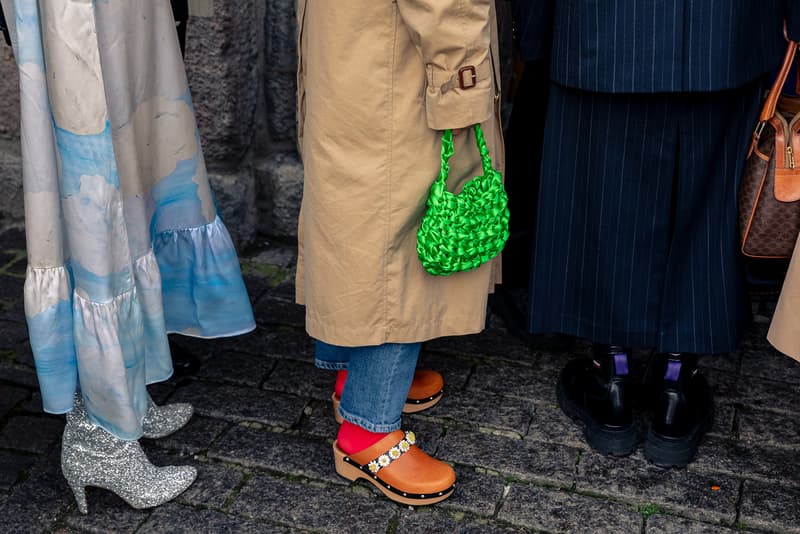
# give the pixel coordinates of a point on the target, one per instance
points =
(124, 242)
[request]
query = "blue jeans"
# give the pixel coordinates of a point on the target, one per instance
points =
(378, 379)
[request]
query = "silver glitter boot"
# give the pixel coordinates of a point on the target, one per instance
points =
(161, 421)
(91, 456)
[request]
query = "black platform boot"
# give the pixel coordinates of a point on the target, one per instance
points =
(683, 412)
(596, 394)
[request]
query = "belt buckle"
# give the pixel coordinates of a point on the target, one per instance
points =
(467, 77)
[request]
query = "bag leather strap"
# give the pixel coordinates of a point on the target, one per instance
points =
(768, 111)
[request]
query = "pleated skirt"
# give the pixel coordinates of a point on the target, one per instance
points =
(637, 238)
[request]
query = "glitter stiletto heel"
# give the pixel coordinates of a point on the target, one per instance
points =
(91, 456)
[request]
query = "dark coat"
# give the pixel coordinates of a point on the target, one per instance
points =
(653, 46)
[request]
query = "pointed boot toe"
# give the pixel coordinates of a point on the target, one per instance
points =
(161, 421)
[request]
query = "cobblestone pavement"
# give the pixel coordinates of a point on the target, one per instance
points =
(262, 434)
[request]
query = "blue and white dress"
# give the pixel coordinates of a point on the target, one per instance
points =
(124, 242)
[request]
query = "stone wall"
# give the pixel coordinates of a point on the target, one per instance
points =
(241, 67)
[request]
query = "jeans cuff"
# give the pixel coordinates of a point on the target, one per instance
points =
(330, 366)
(372, 427)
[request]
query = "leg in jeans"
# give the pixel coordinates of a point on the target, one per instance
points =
(370, 444)
(379, 378)
(377, 386)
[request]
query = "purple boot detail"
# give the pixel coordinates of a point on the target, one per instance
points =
(620, 363)
(673, 370)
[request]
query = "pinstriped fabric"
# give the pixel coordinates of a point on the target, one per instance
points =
(652, 46)
(636, 233)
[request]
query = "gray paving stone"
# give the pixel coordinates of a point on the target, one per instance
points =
(434, 519)
(747, 460)
(106, 509)
(319, 421)
(269, 311)
(453, 369)
(480, 526)
(722, 362)
(771, 506)
(23, 354)
(526, 382)
(771, 365)
(550, 424)
(561, 511)
(179, 519)
(19, 267)
(301, 378)
(478, 493)
(33, 404)
(10, 288)
(670, 524)
(236, 403)
(31, 434)
(13, 239)
(35, 504)
(724, 388)
(428, 519)
(10, 396)
(238, 368)
(12, 334)
(764, 428)
(284, 291)
(754, 336)
(160, 391)
(484, 409)
(201, 349)
(6, 256)
(292, 345)
(282, 453)
(490, 344)
(634, 479)
(256, 285)
(12, 310)
(260, 342)
(723, 420)
(760, 394)
(12, 466)
(18, 375)
(196, 436)
(328, 509)
(214, 484)
(524, 459)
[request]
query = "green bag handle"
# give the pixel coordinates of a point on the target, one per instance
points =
(448, 150)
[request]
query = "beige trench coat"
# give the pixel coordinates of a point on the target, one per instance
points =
(784, 332)
(377, 79)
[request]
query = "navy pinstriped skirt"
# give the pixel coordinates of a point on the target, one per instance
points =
(637, 235)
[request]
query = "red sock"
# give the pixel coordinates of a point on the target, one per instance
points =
(352, 438)
(338, 388)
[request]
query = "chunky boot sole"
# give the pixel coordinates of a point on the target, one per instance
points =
(347, 468)
(668, 451)
(615, 441)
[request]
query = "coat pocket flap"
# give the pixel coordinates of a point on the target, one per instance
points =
(787, 185)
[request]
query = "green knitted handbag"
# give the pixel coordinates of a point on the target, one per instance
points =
(461, 232)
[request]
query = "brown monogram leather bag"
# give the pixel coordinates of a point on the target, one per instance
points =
(769, 196)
